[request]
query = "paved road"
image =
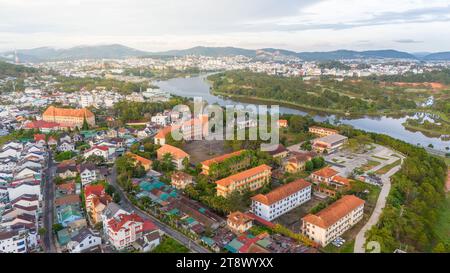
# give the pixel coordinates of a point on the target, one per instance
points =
(360, 239)
(127, 205)
(48, 208)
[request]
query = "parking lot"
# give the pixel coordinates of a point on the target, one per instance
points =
(345, 161)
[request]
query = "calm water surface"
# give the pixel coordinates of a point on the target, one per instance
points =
(199, 87)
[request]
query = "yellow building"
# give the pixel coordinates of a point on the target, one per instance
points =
(251, 179)
(322, 131)
(69, 117)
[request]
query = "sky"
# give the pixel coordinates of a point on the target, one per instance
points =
(158, 25)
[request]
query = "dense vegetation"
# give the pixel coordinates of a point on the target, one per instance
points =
(413, 204)
(442, 76)
(70, 84)
(328, 95)
(12, 70)
(127, 111)
(334, 64)
(161, 74)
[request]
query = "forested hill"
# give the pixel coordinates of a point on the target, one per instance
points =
(325, 95)
(12, 70)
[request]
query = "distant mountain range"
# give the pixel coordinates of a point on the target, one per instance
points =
(117, 51)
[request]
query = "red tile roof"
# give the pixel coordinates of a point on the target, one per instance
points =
(281, 192)
(221, 158)
(326, 172)
(61, 112)
(94, 189)
(122, 219)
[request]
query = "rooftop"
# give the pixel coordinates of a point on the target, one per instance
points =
(281, 192)
(243, 175)
(334, 212)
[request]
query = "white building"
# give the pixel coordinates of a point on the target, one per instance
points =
(83, 241)
(334, 220)
(13, 242)
(31, 187)
(124, 229)
(88, 174)
(281, 200)
(160, 119)
(102, 151)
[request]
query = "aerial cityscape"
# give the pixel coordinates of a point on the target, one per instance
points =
(272, 131)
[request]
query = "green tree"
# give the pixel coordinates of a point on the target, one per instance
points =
(85, 126)
(309, 166)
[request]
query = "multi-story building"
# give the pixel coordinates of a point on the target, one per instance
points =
(331, 222)
(297, 161)
(327, 181)
(180, 180)
(177, 154)
(69, 117)
(281, 200)
(239, 222)
(13, 242)
(125, 229)
(251, 179)
(329, 144)
(96, 201)
(322, 131)
(236, 166)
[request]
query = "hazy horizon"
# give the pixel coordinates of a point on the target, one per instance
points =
(297, 25)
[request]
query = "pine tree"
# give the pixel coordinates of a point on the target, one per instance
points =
(85, 125)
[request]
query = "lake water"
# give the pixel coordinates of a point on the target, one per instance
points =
(199, 87)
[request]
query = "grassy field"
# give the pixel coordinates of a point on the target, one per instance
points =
(348, 247)
(388, 167)
(442, 226)
(170, 245)
(380, 158)
(370, 165)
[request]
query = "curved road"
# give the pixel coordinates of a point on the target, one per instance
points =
(360, 239)
(127, 205)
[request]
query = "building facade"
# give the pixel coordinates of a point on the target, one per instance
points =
(251, 179)
(281, 200)
(69, 117)
(334, 220)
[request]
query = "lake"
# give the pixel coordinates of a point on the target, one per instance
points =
(199, 87)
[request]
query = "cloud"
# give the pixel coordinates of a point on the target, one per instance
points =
(292, 24)
(407, 41)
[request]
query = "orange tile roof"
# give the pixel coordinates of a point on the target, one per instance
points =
(326, 172)
(238, 218)
(144, 161)
(54, 111)
(174, 151)
(94, 189)
(181, 176)
(163, 132)
(334, 212)
(242, 175)
(221, 158)
(281, 192)
(341, 180)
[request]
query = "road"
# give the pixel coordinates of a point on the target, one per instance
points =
(127, 205)
(48, 208)
(360, 239)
